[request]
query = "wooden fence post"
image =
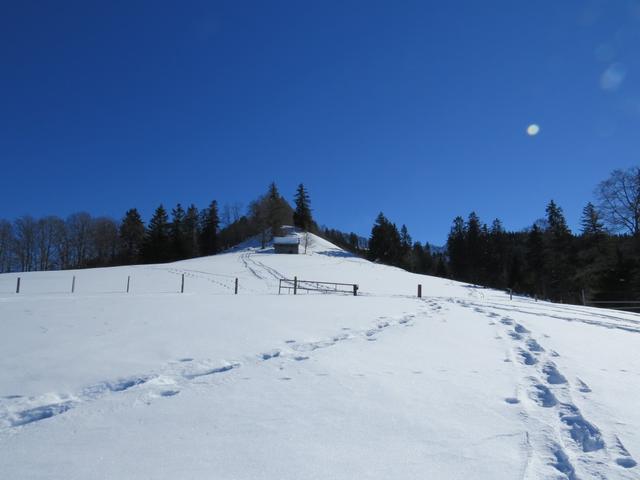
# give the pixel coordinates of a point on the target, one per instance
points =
(584, 300)
(510, 294)
(18, 286)
(182, 285)
(419, 290)
(355, 290)
(73, 284)
(128, 282)
(236, 290)
(295, 285)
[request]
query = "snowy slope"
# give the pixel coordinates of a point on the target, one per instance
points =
(463, 383)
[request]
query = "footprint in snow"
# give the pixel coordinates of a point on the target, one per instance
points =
(169, 393)
(583, 387)
(625, 460)
(526, 357)
(515, 335)
(543, 396)
(554, 377)
(520, 329)
(270, 355)
(534, 346)
(512, 400)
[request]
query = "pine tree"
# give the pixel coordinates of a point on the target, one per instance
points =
(591, 224)
(209, 223)
(132, 237)
(192, 232)
(475, 247)
(278, 210)
(495, 267)
(556, 221)
(157, 243)
(406, 259)
(384, 242)
(456, 249)
(560, 264)
(302, 214)
(178, 235)
(536, 259)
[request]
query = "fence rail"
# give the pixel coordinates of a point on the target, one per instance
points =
(293, 285)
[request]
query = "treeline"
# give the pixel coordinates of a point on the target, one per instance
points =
(601, 262)
(81, 241)
(547, 260)
(390, 245)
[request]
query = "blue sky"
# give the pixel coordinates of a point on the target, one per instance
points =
(417, 109)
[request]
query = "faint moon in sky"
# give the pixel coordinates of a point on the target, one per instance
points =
(533, 129)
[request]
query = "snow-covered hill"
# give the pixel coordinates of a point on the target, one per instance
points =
(463, 383)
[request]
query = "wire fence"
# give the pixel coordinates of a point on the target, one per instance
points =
(143, 282)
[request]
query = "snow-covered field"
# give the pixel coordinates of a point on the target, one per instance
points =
(461, 384)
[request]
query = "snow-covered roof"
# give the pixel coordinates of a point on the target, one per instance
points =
(291, 240)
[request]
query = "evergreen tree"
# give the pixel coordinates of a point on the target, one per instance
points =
(354, 244)
(591, 224)
(456, 249)
(406, 245)
(441, 268)
(474, 247)
(384, 242)
(557, 225)
(157, 245)
(405, 239)
(560, 262)
(302, 214)
(177, 229)
(496, 264)
(536, 260)
(269, 213)
(278, 210)
(192, 232)
(132, 235)
(209, 223)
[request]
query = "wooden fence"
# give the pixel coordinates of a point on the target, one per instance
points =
(294, 285)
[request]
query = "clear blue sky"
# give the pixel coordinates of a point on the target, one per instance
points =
(418, 109)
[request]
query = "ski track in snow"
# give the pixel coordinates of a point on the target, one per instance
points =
(557, 431)
(18, 411)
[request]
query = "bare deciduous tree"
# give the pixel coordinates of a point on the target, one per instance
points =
(25, 242)
(79, 235)
(7, 242)
(105, 240)
(230, 213)
(46, 231)
(619, 200)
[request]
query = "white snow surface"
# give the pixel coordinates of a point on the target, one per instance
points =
(461, 384)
